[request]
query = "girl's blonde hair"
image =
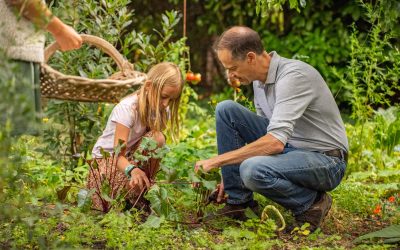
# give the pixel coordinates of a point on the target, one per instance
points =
(149, 97)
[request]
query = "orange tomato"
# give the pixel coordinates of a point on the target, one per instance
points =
(197, 77)
(235, 83)
(189, 76)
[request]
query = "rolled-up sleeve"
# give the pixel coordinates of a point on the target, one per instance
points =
(293, 96)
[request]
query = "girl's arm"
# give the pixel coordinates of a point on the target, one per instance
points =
(138, 177)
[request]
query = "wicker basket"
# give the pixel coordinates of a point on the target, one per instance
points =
(57, 85)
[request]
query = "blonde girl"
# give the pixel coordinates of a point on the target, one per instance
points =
(147, 112)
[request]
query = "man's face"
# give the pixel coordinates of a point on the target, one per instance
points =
(236, 69)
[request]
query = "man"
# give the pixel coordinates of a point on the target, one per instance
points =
(293, 150)
(22, 40)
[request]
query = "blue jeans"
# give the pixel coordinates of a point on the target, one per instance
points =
(291, 179)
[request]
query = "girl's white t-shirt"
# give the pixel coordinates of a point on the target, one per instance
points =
(125, 113)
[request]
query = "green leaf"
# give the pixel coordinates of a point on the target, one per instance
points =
(391, 232)
(239, 233)
(171, 174)
(104, 154)
(210, 185)
(163, 193)
(304, 226)
(153, 221)
(153, 196)
(250, 213)
(85, 198)
(121, 146)
(106, 197)
(391, 240)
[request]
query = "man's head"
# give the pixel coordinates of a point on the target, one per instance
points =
(239, 49)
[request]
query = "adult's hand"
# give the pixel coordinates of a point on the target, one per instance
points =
(221, 192)
(65, 35)
(207, 165)
(218, 195)
(139, 180)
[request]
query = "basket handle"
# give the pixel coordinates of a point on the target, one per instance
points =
(100, 43)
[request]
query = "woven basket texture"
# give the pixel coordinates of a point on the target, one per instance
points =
(57, 85)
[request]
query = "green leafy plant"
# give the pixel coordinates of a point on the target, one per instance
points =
(266, 5)
(372, 76)
(205, 183)
(372, 143)
(107, 186)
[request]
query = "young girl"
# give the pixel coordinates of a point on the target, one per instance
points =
(146, 112)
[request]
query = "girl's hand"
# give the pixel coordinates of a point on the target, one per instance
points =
(139, 180)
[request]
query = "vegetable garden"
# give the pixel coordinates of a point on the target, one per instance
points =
(44, 200)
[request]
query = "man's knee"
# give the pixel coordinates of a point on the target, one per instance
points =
(248, 172)
(224, 108)
(157, 137)
(253, 175)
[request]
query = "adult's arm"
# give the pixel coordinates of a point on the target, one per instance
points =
(37, 12)
(266, 145)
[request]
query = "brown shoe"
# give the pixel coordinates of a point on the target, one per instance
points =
(316, 214)
(236, 212)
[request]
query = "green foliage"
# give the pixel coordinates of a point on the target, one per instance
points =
(161, 204)
(387, 129)
(165, 49)
(252, 234)
(367, 189)
(15, 107)
(205, 183)
(372, 143)
(374, 68)
(268, 4)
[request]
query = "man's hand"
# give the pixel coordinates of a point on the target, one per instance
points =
(207, 165)
(139, 180)
(221, 193)
(218, 195)
(65, 35)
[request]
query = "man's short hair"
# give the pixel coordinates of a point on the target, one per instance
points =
(239, 40)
